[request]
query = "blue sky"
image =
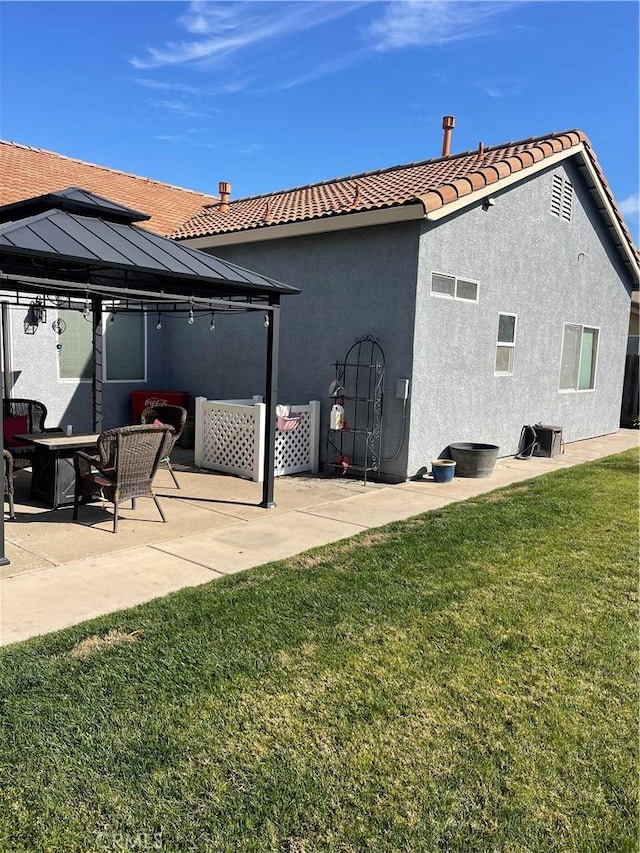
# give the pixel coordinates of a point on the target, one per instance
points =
(269, 95)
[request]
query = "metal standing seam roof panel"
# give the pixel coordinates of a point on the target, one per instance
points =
(61, 235)
(119, 239)
(28, 240)
(165, 252)
(70, 236)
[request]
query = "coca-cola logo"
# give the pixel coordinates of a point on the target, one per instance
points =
(155, 401)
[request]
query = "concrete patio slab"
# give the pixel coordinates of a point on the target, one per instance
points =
(377, 508)
(276, 537)
(48, 600)
(62, 572)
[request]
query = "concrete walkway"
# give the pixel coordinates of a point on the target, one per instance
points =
(63, 573)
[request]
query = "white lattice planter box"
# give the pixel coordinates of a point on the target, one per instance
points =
(229, 437)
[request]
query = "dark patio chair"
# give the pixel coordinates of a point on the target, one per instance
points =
(8, 481)
(127, 461)
(22, 416)
(176, 417)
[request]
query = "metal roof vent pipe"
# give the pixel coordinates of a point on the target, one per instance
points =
(448, 123)
(224, 188)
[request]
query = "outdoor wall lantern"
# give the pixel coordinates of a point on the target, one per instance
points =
(36, 314)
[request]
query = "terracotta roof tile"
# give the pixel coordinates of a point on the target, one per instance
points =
(27, 172)
(435, 183)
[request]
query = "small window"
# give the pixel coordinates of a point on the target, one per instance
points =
(444, 285)
(579, 357)
(561, 197)
(506, 344)
(124, 344)
(453, 288)
(75, 356)
(466, 290)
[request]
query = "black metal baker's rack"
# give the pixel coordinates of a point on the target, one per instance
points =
(358, 386)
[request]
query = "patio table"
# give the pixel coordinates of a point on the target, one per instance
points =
(52, 474)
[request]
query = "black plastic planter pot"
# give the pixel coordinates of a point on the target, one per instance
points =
(473, 459)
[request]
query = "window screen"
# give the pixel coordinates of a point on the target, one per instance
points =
(506, 329)
(443, 284)
(75, 358)
(588, 350)
(466, 289)
(505, 346)
(124, 348)
(453, 287)
(579, 354)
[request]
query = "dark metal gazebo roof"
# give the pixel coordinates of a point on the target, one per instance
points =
(73, 244)
(85, 243)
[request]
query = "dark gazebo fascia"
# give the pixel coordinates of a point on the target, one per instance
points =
(74, 244)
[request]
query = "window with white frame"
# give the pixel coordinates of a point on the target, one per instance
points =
(452, 287)
(579, 357)
(123, 342)
(505, 347)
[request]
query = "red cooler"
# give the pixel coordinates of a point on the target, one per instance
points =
(141, 399)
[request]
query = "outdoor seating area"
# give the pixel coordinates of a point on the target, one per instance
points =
(60, 470)
(175, 417)
(22, 416)
(124, 469)
(207, 503)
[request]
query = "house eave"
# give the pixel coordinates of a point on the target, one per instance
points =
(341, 222)
(418, 209)
(592, 181)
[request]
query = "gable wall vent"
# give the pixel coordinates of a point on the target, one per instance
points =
(561, 197)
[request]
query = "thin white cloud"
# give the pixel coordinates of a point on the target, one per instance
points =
(223, 30)
(630, 206)
(501, 88)
(165, 86)
(321, 69)
(433, 23)
(181, 108)
(246, 42)
(250, 148)
(167, 137)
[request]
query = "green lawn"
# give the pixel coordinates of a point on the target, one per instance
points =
(462, 681)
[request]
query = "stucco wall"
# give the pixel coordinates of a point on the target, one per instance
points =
(35, 376)
(352, 283)
(546, 271)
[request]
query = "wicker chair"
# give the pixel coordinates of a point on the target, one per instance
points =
(8, 481)
(125, 467)
(22, 416)
(176, 417)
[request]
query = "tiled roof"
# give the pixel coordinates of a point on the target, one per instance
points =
(436, 183)
(27, 172)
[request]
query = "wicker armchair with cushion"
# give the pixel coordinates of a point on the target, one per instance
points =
(127, 461)
(22, 416)
(176, 417)
(8, 481)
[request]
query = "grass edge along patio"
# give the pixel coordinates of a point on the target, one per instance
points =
(464, 680)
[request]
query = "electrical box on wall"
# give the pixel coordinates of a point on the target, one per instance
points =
(402, 389)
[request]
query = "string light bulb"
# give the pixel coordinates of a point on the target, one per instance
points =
(212, 324)
(159, 322)
(85, 310)
(190, 318)
(266, 321)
